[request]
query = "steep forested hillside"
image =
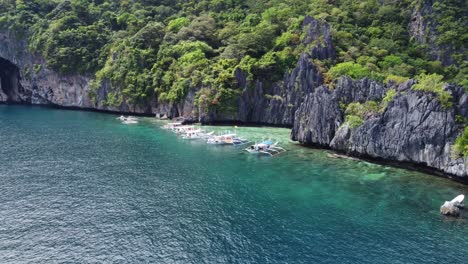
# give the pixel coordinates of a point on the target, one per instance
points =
(162, 49)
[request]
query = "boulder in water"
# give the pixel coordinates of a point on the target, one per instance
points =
(449, 209)
(458, 201)
(453, 207)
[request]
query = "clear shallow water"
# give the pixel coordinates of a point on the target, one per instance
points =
(81, 187)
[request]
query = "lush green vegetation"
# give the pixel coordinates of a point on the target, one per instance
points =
(145, 49)
(389, 95)
(433, 83)
(356, 112)
(461, 144)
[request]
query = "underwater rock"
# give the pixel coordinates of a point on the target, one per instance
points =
(449, 209)
(453, 207)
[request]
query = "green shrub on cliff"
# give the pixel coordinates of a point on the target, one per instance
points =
(395, 79)
(356, 112)
(362, 110)
(389, 95)
(461, 144)
(351, 69)
(354, 121)
(433, 83)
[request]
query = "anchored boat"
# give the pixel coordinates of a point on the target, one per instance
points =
(172, 126)
(197, 134)
(184, 129)
(128, 120)
(221, 140)
(265, 147)
(227, 139)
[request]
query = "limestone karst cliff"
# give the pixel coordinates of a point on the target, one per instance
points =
(413, 127)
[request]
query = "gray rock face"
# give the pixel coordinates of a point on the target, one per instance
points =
(348, 90)
(321, 34)
(318, 118)
(35, 83)
(423, 28)
(450, 209)
(260, 102)
(277, 103)
(320, 115)
(32, 82)
(414, 127)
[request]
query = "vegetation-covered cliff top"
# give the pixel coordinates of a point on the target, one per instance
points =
(148, 48)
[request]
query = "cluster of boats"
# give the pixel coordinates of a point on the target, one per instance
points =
(192, 132)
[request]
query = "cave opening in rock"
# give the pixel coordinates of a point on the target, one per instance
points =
(9, 81)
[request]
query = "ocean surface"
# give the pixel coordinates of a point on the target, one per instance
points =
(80, 187)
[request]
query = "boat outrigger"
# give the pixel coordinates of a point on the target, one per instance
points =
(237, 141)
(265, 147)
(191, 132)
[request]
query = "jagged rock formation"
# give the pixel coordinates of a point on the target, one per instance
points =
(414, 127)
(450, 209)
(277, 103)
(423, 28)
(274, 103)
(320, 116)
(31, 82)
(454, 207)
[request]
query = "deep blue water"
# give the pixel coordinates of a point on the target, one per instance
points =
(80, 187)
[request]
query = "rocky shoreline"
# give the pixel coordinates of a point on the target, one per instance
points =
(413, 128)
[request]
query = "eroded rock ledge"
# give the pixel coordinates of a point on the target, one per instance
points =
(413, 128)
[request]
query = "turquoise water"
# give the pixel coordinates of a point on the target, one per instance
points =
(81, 187)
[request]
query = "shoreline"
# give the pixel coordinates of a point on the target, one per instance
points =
(403, 165)
(396, 164)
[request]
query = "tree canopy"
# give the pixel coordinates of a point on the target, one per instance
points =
(146, 49)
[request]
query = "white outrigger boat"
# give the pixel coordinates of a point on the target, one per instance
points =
(192, 134)
(265, 147)
(227, 139)
(172, 126)
(128, 120)
(184, 129)
(197, 134)
(221, 140)
(237, 141)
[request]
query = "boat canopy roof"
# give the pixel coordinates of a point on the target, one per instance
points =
(194, 131)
